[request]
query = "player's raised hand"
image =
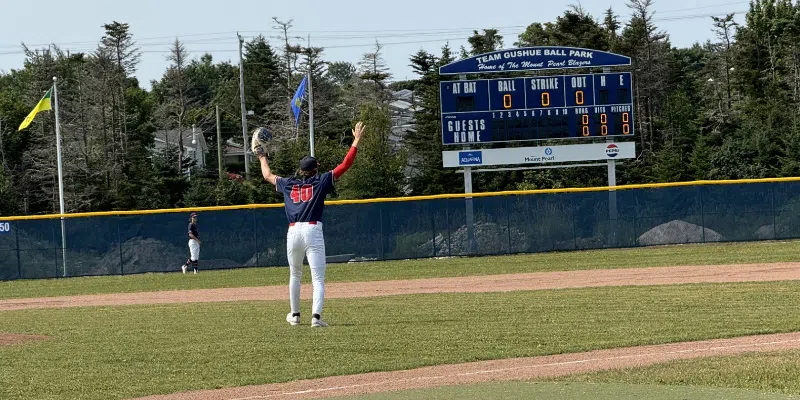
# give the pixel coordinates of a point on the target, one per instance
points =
(359, 130)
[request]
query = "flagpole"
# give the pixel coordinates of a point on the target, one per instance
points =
(310, 102)
(244, 109)
(60, 178)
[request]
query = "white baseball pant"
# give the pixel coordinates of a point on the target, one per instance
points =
(194, 250)
(304, 239)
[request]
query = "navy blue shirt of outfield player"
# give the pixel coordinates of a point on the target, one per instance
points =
(193, 230)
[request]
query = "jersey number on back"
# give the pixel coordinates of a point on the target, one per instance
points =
(302, 194)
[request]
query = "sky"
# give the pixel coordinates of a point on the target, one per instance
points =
(346, 28)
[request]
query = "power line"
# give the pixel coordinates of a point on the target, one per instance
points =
(409, 42)
(736, 3)
(139, 43)
(233, 35)
(364, 31)
(665, 19)
(449, 33)
(352, 34)
(215, 37)
(686, 17)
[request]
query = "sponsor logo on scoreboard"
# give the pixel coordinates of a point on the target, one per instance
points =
(539, 154)
(470, 158)
(548, 156)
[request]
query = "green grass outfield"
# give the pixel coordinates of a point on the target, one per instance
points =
(754, 252)
(756, 376)
(774, 372)
(573, 391)
(119, 352)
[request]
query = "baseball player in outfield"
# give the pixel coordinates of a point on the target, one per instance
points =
(194, 245)
(304, 198)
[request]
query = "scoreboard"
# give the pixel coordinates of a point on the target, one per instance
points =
(537, 108)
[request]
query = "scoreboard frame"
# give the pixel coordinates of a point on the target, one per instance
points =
(570, 101)
(534, 59)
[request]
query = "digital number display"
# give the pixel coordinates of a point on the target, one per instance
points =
(465, 104)
(537, 108)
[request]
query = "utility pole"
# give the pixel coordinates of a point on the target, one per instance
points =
(219, 144)
(244, 109)
(2, 149)
(310, 102)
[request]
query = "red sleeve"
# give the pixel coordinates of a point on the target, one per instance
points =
(346, 164)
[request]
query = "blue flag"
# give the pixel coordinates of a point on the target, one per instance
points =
(297, 100)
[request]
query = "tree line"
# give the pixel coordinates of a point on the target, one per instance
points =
(724, 109)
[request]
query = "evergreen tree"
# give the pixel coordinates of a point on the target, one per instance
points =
(372, 68)
(119, 44)
(341, 73)
(262, 76)
(612, 26)
(485, 42)
(724, 28)
(648, 48)
(574, 28)
(425, 140)
(380, 168)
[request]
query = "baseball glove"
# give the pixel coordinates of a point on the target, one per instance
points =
(261, 137)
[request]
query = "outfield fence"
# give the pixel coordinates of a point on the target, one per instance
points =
(118, 243)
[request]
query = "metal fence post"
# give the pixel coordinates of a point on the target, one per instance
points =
(774, 211)
(529, 232)
(383, 239)
(635, 221)
(702, 215)
(433, 228)
(19, 261)
(55, 252)
(119, 240)
(255, 238)
(447, 221)
(574, 228)
(508, 224)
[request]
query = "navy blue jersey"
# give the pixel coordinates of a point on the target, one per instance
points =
(193, 230)
(305, 198)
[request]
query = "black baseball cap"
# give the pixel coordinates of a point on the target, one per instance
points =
(308, 164)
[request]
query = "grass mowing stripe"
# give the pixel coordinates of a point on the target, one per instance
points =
(108, 353)
(775, 372)
(758, 252)
(573, 391)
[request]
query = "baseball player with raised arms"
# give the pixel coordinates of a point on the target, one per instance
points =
(304, 198)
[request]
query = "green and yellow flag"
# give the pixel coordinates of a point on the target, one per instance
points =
(43, 105)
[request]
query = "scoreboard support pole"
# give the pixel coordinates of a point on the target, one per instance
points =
(612, 198)
(470, 216)
(612, 194)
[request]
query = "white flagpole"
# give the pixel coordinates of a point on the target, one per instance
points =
(60, 177)
(310, 102)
